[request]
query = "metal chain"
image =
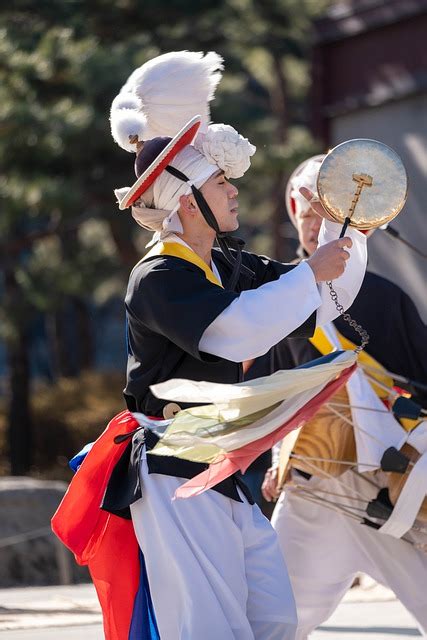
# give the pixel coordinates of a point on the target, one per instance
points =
(364, 335)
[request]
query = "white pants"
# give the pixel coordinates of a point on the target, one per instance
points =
(324, 550)
(214, 565)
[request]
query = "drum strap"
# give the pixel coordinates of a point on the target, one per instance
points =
(323, 344)
(409, 501)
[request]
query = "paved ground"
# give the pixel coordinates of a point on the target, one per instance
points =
(45, 613)
(370, 613)
(39, 612)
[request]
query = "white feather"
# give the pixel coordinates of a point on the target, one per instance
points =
(127, 120)
(173, 88)
(126, 100)
(126, 123)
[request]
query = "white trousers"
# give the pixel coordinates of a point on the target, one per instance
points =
(324, 550)
(214, 565)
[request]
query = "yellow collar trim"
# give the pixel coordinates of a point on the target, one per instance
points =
(177, 250)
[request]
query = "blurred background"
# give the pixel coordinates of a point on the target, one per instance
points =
(300, 76)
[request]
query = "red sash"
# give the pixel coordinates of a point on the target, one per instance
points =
(103, 541)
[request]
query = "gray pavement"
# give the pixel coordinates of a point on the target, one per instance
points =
(370, 612)
(40, 612)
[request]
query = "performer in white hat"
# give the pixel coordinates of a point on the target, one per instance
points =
(326, 525)
(213, 562)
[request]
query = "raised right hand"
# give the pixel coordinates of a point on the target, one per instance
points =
(329, 261)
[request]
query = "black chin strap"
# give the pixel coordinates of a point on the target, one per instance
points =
(225, 241)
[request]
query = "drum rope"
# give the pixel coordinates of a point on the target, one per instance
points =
(331, 477)
(329, 505)
(396, 376)
(344, 507)
(356, 427)
(362, 498)
(366, 478)
(356, 406)
(330, 493)
(350, 463)
(378, 383)
(349, 514)
(351, 423)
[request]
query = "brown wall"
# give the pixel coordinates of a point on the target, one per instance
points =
(367, 58)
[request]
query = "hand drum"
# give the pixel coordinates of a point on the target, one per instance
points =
(363, 180)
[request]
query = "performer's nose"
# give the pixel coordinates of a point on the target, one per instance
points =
(233, 192)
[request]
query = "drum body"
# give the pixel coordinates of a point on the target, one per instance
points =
(327, 438)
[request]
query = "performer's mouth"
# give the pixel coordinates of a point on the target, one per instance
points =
(234, 210)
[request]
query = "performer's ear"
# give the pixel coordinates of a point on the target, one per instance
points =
(188, 204)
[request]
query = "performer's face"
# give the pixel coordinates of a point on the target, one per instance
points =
(221, 197)
(308, 226)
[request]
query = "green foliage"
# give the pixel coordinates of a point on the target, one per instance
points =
(66, 416)
(63, 62)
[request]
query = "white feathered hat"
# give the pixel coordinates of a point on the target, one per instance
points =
(161, 96)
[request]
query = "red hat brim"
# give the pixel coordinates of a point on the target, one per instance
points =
(178, 142)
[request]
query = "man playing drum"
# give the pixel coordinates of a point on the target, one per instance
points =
(326, 535)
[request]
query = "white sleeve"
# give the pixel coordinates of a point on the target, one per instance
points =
(347, 286)
(260, 318)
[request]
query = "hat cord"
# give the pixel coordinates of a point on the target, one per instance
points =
(224, 239)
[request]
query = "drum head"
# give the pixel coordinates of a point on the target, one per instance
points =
(367, 162)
